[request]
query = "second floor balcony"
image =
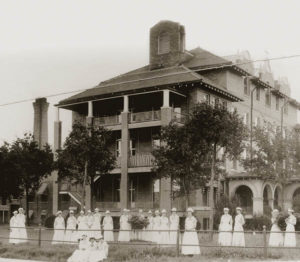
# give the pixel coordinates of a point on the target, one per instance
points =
(146, 116)
(141, 160)
(107, 120)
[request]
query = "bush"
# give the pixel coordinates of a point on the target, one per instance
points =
(257, 222)
(138, 222)
(49, 222)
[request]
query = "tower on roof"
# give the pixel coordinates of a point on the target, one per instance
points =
(167, 44)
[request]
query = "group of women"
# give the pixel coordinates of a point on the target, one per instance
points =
(18, 233)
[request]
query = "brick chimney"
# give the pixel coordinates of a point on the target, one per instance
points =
(167, 44)
(40, 124)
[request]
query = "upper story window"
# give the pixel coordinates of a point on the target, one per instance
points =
(132, 147)
(207, 98)
(268, 97)
(217, 102)
(277, 103)
(257, 93)
(246, 86)
(163, 43)
(224, 104)
(118, 147)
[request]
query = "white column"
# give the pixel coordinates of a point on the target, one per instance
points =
(57, 114)
(166, 98)
(90, 109)
(126, 104)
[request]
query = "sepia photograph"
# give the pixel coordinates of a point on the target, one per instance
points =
(149, 130)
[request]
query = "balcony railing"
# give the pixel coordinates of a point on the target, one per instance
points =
(145, 116)
(107, 120)
(141, 160)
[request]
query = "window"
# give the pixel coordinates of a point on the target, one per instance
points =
(224, 104)
(277, 103)
(246, 86)
(207, 98)
(257, 93)
(132, 147)
(246, 119)
(217, 102)
(234, 164)
(163, 43)
(118, 147)
(268, 97)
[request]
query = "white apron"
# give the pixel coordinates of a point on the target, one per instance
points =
(225, 228)
(71, 236)
(59, 231)
(164, 233)
(22, 231)
(174, 225)
(190, 241)
(124, 236)
(14, 234)
(276, 236)
(238, 238)
(290, 235)
(108, 227)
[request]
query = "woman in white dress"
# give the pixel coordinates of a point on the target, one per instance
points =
(124, 234)
(22, 226)
(164, 227)
(225, 229)
(174, 226)
(14, 230)
(156, 227)
(59, 229)
(108, 227)
(190, 241)
(290, 236)
(89, 223)
(149, 228)
(276, 236)
(82, 225)
(71, 234)
(101, 251)
(82, 253)
(238, 237)
(97, 224)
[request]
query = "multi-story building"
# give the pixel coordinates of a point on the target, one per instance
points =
(137, 104)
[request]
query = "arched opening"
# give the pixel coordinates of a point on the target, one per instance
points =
(245, 197)
(268, 200)
(296, 200)
(278, 202)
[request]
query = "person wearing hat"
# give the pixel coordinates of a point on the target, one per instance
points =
(97, 223)
(108, 227)
(102, 250)
(21, 218)
(82, 253)
(174, 226)
(164, 227)
(238, 237)
(156, 227)
(82, 224)
(59, 229)
(149, 228)
(71, 234)
(290, 236)
(225, 228)
(125, 229)
(276, 237)
(89, 223)
(190, 241)
(14, 230)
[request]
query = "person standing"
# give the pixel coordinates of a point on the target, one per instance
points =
(124, 234)
(108, 227)
(156, 227)
(190, 241)
(89, 223)
(276, 236)
(164, 227)
(82, 224)
(238, 237)
(22, 226)
(174, 226)
(225, 228)
(14, 230)
(71, 234)
(290, 236)
(149, 228)
(59, 229)
(97, 224)
(141, 232)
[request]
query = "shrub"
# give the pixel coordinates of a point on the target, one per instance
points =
(138, 222)
(257, 222)
(49, 222)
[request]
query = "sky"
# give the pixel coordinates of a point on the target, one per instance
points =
(55, 46)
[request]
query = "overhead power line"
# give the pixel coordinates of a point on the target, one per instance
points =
(179, 73)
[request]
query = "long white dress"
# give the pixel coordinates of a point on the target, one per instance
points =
(225, 228)
(238, 238)
(89, 223)
(124, 236)
(149, 228)
(108, 227)
(71, 236)
(99, 252)
(290, 235)
(97, 225)
(276, 236)
(14, 231)
(82, 226)
(156, 228)
(59, 230)
(164, 233)
(81, 254)
(174, 225)
(22, 228)
(190, 241)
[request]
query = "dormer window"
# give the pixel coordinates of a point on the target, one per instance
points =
(163, 43)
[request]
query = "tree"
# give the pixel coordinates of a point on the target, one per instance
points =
(31, 164)
(85, 155)
(188, 154)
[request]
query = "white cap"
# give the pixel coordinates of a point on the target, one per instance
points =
(290, 210)
(20, 209)
(71, 212)
(156, 211)
(190, 210)
(15, 212)
(107, 212)
(149, 212)
(226, 209)
(164, 211)
(96, 209)
(125, 210)
(81, 212)
(275, 211)
(239, 208)
(58, 212)
(174, 209)
(89, 211)
(141, 210)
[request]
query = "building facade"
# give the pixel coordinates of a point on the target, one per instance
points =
(137, 104)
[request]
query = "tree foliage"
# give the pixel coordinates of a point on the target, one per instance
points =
(85, 154)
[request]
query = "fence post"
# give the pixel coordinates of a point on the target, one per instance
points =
(40, 235)
(177, 242)
(265, 242)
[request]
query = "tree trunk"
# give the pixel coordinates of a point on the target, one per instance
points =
(92, 193)
(27, 206)
(83, 186)
(211, 191)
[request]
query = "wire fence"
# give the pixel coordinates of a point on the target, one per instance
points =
(206, 238)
